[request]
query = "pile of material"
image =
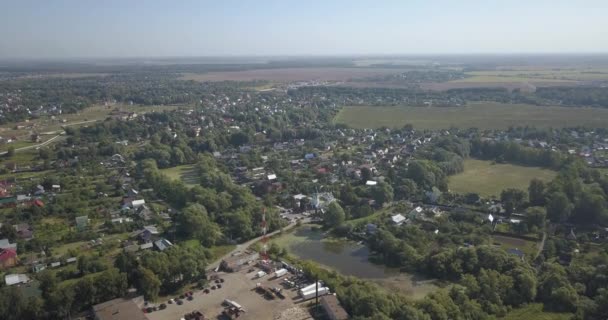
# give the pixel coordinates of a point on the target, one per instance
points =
(293, 313)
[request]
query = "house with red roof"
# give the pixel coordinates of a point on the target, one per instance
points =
(8, 258)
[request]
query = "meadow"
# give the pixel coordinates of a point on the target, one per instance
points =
(488, 179)
(535, 311)
(475, 115)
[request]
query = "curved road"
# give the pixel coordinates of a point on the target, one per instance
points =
(245, 245)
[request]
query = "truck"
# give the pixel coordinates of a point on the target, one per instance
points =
(260, 274)
(312, 286)
(312, 293)
(281, 272)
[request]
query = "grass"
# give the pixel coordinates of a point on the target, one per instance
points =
(475, 115)
(487, 179)
(534, 311)
(186, 173)
(219, 251)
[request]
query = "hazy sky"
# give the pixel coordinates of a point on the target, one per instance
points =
(138, 28)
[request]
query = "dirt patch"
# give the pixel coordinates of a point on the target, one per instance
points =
(291, 74)
(510, 240)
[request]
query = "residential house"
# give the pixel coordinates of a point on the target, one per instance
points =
(398, 219)
(8, 258)
(162, 244)
(137, 203)
(5, 244)
(24, 231)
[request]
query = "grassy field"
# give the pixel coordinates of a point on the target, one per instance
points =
(186, 173)
(475, 115)
(489, 179)
(534, 311)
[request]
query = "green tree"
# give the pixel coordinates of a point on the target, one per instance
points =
(148, 284)
(382, 193)
(559, 207)
(195, 223)
(535, 217)
(536, 192)
(334, 216)
(513, 199)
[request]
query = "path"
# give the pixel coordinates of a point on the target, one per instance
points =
(245, 245)
(34, 146)
(541, 245)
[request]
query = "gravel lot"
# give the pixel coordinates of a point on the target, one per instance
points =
(239, 287)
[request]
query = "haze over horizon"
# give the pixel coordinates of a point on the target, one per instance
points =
(126, 29)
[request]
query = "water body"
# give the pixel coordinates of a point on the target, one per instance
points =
(350, 258)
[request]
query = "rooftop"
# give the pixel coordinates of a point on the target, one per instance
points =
(118, 309)
(332, 307)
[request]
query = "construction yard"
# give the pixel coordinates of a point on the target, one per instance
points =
(239, 287)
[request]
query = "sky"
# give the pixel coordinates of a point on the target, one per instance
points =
(184, 28)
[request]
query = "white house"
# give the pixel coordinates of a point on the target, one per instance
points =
(398, 219)
(138, 203)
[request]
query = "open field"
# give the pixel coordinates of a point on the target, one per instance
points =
(186, 173)
(546, 74)
(475, 115)
(489, 179)
(291, 74)
(534, 311)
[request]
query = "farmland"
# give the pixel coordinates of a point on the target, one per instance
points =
(489, 179)
(475, 115)
(185, 173)
(489, 77)
(559, 75)
(282, 75)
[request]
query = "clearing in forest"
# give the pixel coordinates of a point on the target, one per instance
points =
(489, 179)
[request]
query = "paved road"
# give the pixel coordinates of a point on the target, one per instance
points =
(245, 245)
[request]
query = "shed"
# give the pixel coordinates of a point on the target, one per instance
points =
(13, 279)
